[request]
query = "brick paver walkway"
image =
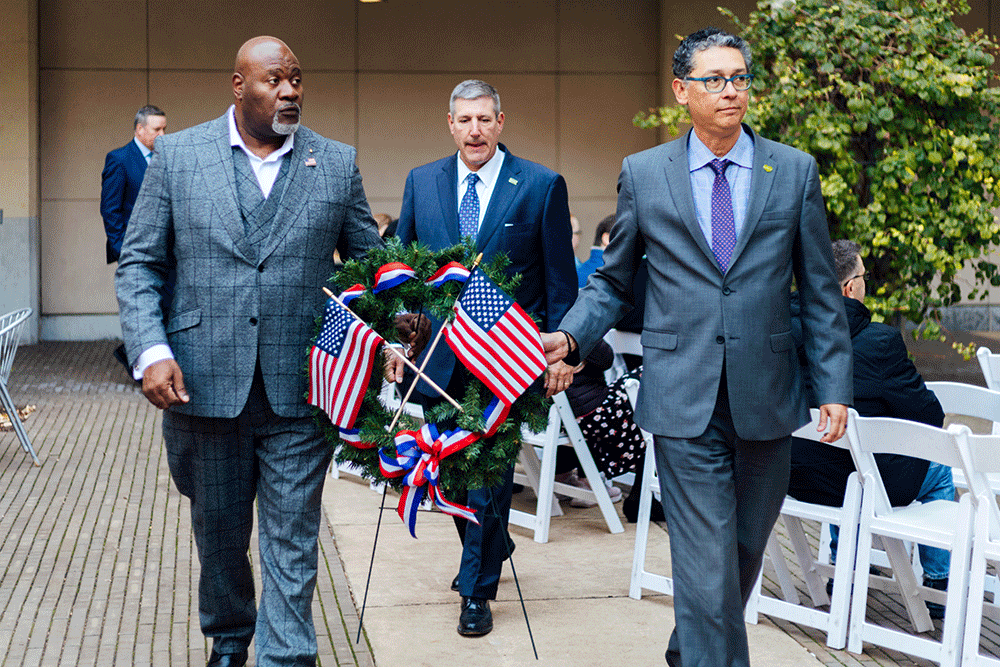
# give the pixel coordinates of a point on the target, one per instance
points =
(97, 561)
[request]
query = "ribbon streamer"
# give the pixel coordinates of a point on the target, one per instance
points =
(352, 436)
(352, 293)
(450, 271)
(418, 461)
(392, 274)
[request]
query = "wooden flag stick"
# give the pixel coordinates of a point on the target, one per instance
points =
(413, 367)
(413, 384)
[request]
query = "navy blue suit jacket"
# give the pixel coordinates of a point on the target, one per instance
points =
(121, 179)
(527, 218)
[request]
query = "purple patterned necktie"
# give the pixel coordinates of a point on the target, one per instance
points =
(723, 223)
(468, 212)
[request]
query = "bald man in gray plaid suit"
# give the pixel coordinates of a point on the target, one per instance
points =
(249, 207)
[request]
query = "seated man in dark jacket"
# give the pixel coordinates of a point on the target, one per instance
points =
(886, 384)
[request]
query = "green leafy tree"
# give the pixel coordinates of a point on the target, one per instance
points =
(895, 103)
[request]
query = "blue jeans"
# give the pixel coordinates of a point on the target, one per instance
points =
(938, 485)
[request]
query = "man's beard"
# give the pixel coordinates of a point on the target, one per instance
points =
(286, 128)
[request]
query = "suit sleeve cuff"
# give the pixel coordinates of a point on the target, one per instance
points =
(158, 352)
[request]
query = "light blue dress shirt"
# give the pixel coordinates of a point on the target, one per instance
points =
(738, 175)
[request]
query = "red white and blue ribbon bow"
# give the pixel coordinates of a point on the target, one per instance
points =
(418, 461)
(392, 274)
(450, 271)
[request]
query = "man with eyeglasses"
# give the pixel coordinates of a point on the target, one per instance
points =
(727, 220)
(886, 384)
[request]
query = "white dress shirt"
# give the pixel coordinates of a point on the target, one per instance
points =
(484, 186)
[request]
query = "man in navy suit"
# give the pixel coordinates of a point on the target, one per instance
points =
(122, 176)
(509, 205)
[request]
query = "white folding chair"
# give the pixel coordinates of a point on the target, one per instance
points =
(815, 571)
(968, 400)
(982, 455)
(944, 524)
(539, 474)
(622, 342)
(990, 363)
(10, 336)
(641, 577)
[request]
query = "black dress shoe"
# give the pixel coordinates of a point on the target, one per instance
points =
(227, 659)
(454, 584)
(476, 618)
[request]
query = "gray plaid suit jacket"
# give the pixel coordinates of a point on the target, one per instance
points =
(696, 318)
(233, 303)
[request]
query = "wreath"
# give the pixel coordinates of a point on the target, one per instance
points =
(480, 464)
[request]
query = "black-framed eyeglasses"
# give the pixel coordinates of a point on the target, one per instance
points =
(716, 84)
(864, 275)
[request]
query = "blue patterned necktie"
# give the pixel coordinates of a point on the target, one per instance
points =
(468, 212)
(723, 223)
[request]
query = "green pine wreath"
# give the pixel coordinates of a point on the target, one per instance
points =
(481, 464)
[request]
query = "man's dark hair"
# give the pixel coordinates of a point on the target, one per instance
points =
(143, 114)
(845, 258)
(603, 227)
(705, 39)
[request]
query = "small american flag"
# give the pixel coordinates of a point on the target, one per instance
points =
(496, 339)
(340, 364)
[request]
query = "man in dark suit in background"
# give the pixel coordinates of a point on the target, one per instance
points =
(121, 179)
(727, 220)
(508, 205)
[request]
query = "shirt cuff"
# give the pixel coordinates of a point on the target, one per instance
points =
(158, 352)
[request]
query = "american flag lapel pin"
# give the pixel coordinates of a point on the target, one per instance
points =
(512, 180)
(311, 162)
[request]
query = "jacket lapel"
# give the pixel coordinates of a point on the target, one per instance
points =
(299, 183)
(508, 182)
(761, 181)
(447, 183)
(218, 174)
(678, 176)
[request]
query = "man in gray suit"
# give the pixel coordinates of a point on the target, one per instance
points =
(249, 208)
(727, 220)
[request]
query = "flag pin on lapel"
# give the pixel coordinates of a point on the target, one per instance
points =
(512, 180)
(768, 168)
(311, 162)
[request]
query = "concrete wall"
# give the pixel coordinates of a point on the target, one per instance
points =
(19, 236)
(571, 74)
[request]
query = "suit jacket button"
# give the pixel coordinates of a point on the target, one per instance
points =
(260, 269)
(720, 340)
(253, 322)
(725, 290)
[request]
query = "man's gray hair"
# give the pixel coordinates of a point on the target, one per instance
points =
(703, 40)
(472, 89)
(143, 114)
(845, 259)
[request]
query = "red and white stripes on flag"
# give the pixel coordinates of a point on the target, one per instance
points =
(340, 364)
(495, 339)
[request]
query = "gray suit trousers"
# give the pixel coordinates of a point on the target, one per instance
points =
(222, 466)
(721, 496)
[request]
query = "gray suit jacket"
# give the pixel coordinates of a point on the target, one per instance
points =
(696, 317)
(229, 308)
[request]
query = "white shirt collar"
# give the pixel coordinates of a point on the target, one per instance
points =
(142, 148)
(487, 173)
(236, 140)
(741, 153)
